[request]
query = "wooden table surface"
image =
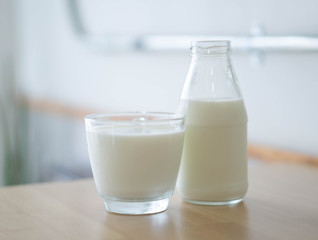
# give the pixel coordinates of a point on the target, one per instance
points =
(282, 203)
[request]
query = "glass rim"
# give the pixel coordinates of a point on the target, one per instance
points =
(131, 118)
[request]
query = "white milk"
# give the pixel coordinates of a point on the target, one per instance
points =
(214, 161)
(129, 164)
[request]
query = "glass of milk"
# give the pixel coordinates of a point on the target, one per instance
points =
(135, 159)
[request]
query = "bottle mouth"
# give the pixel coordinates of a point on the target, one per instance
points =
(210, 47)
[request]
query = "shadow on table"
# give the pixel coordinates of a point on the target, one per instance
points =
(185, 221)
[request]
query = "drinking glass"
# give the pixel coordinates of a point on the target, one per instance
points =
(135, 159)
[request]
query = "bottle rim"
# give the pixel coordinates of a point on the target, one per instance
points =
(210, 47)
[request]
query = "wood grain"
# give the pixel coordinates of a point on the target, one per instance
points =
(271, 154)
(53, 107)
(281, 204)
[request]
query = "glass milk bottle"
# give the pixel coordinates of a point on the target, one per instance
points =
(214, 162)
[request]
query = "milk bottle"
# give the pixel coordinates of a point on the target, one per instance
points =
(214, 161)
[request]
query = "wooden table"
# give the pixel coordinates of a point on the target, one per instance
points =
(282, 203)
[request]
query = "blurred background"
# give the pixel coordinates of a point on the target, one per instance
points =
(61, 60)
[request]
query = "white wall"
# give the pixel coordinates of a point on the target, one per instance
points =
(280, 17)
(282, 101)
(53, 63)
(280, 93)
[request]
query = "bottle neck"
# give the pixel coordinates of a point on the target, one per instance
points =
(215, 61)
(211, 75)
(222, 57)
